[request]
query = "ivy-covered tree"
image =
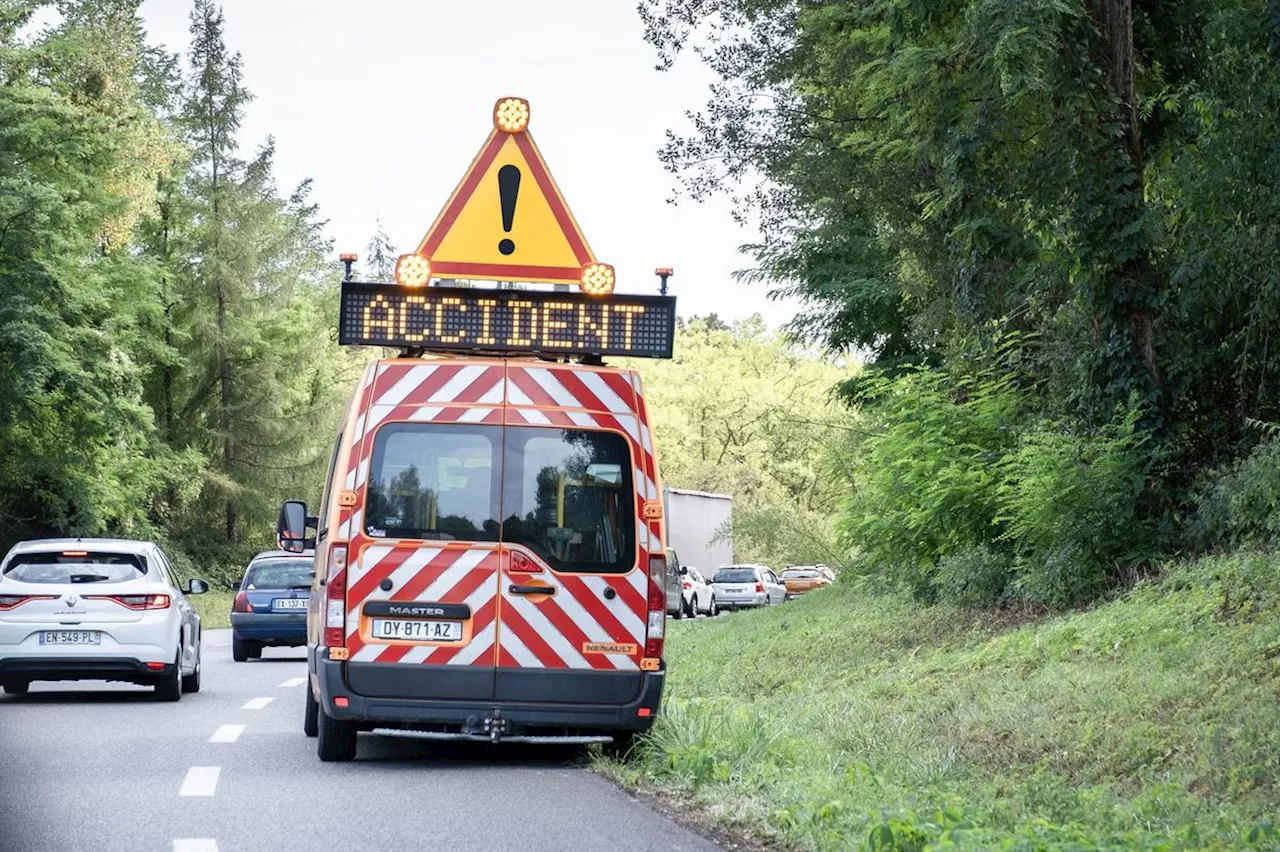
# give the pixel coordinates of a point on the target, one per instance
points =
(932, 175)
(79, 156)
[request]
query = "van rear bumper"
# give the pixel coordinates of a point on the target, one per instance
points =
(520, 717)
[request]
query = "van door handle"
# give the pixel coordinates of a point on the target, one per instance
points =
(531, 590)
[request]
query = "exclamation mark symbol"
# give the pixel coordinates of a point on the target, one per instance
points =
(508, 190)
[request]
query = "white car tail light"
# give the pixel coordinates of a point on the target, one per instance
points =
(335, 614)
(134, 602)
(8, 602)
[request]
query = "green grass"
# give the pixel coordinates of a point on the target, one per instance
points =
(214, 607)
(844, 721)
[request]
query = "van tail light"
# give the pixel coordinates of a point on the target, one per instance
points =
(335, 613)
(134, 602)
(241, 603)
(759, 587)
(8, 602)
(657, 606)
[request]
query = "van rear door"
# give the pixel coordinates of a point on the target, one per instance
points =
(422, 586)
(572, 604)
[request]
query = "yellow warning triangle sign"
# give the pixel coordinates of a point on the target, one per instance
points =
(506, 220)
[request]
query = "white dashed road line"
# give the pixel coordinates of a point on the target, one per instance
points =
(257, 703)
(294, 681)
(227, 734)
(195, 844)
(200, 781)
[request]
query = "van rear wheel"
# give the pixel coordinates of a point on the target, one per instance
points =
(311, 715)
(17, 687)
(335, 738)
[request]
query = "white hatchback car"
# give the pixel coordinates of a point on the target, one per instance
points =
(741, 586)
(696, 593)
(97, 609)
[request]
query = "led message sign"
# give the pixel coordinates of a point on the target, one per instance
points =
(459, 318)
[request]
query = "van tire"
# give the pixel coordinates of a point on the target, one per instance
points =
(335, 739)
(715, 608)
(17, 687)
(311, 715)
(239, 649)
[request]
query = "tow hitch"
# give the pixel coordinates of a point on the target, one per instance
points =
(495, 726)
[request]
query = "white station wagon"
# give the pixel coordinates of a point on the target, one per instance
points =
(97, 609)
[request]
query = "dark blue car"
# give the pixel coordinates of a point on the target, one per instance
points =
(270, 608)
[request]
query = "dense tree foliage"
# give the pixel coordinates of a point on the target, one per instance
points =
(1095, 179)
(169, 367)
(740, 411)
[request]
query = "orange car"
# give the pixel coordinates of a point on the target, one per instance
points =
(805, 578)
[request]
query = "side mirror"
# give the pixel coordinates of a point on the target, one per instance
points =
(684, 570)
(197, 587)
(291, 526)
(235, 587)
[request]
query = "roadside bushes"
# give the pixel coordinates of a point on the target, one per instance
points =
(1240, 507)
(1069, 508)
(926, 478)
(962, 495)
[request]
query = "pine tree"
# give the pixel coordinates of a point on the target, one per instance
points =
(381, 263)
(251, 292)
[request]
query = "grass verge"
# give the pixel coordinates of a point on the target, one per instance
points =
(842, 721)
(214, 607)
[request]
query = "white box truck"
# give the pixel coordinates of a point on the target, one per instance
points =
(698, 525)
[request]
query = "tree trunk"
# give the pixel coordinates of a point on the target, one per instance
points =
(166, 371)
(220, 293)
(1134, 277)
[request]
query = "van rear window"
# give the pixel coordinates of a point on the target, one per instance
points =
(569, 497)
(566, 494)
(435, 481)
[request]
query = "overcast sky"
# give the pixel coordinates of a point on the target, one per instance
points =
(384, 103)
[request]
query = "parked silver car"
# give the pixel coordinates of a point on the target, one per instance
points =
(742, 586)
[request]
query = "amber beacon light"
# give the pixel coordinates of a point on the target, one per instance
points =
(511, 115)
(412, 270)
(598, 279)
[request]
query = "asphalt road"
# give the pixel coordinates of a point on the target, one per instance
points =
(101, 767)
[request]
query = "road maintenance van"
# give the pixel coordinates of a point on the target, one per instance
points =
(489, 545)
